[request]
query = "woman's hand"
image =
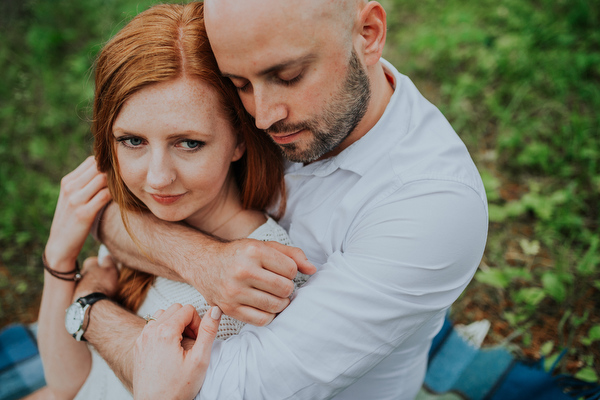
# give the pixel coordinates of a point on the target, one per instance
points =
(163, 368)
(83, 193)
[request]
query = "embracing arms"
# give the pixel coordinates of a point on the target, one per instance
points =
(392, 282)
(248, 279)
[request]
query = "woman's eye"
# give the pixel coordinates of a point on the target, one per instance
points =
(131, 141)
(191, 144)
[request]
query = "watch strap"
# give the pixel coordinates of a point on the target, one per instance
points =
(91, 298)
(87, 302)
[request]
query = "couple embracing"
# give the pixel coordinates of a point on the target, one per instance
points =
(203, 294)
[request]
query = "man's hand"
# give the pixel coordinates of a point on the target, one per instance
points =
(163, 369)
(252, 281)
(248, 279)
(97, 278)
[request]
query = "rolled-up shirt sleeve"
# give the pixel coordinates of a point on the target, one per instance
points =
(402, 262)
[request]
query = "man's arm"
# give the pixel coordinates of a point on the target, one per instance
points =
(248, 279)
(111, 329)
(116, 333)
(380, 297)
(401, 267)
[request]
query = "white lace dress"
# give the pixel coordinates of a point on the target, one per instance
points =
(102, 383)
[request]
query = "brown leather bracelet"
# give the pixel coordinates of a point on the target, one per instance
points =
(76, 272)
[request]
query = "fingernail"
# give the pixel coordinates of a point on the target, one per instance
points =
(215, 313)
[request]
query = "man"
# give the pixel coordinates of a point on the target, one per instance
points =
(382, 197)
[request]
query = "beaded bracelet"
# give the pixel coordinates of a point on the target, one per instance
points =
(61, 275)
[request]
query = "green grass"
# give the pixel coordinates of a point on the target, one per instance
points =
(520, 83)
(518, 80)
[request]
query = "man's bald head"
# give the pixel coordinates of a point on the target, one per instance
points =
(304, 69)
(340, 15)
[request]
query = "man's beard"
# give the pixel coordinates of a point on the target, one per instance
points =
(337, 121)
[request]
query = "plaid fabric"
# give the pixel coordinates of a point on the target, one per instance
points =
(21, 371)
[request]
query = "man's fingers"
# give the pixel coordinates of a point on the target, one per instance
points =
(253, 316)
(273, 284)
(265, 301)
(89, 263)
(107, 262)
(302, 263)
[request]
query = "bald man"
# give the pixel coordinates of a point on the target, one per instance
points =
(383, 198)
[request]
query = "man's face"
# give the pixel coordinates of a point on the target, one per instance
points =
(297, 75)
(340, 115)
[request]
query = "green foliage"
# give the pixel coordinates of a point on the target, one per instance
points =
(593, 335)
(520, 83)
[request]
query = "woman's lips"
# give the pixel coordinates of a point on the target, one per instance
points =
(166, 199)
(286, 138)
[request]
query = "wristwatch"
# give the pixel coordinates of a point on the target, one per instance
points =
(78, 314)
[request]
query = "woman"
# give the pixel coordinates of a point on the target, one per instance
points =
(171, 137)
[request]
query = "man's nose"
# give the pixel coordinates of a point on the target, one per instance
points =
(267, 110)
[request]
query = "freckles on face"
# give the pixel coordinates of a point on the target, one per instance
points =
(175, 147)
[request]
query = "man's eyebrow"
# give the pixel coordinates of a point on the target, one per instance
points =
(277, 67)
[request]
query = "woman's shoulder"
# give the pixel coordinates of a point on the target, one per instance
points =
(271, 231)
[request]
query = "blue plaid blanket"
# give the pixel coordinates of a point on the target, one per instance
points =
(457, 371)
(21, 371)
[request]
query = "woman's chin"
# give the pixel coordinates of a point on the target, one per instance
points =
(168, 216)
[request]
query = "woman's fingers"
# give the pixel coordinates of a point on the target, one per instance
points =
(84, 166)
(89, 189)
(86, 175)
(209, 326)
(181, 318)
(168, 313)
(89, 210)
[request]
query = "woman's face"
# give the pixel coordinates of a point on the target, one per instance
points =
(175, 148)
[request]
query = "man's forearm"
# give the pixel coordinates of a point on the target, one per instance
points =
(248, 279)
(113, 331)
(155, 241)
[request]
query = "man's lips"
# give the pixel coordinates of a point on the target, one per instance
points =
(166, 199)
(285, 138)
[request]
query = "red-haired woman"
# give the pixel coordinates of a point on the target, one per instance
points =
(171, 138)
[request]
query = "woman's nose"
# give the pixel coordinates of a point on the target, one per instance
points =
(160, 172)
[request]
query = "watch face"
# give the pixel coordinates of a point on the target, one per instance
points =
(74, 318)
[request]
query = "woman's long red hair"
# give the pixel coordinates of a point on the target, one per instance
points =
(161, 44)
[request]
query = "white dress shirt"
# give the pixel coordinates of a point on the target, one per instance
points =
(396, 225)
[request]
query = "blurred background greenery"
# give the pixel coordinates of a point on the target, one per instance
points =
(518, 79)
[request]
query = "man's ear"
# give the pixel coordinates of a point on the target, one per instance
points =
(240, 149)
(373, 27)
